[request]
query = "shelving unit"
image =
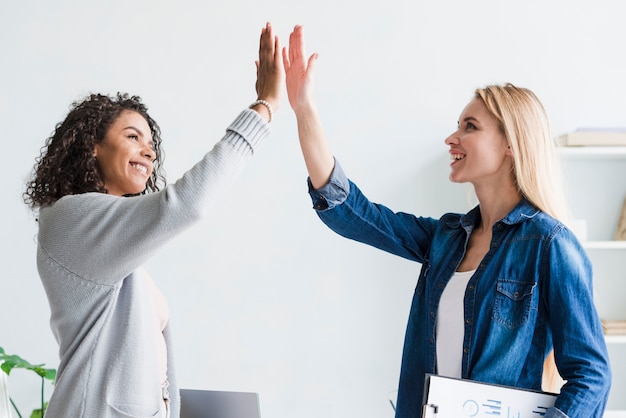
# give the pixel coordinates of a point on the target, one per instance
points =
(596, 187)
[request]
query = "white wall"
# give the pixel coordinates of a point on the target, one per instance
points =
(263, 297)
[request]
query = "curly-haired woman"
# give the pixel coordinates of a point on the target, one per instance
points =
(103, 209)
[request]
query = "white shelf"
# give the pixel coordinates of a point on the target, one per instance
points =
(604, 245)
(593, 152)
(615, 339)
(596, 184)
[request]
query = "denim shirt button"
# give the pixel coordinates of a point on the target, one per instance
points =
(321, 203)
(468, 321)
(465, 350)
(432, 314)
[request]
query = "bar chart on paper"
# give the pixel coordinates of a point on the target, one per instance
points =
(456, 398)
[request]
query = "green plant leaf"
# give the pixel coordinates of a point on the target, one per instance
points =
(36, 414)
(9, 362)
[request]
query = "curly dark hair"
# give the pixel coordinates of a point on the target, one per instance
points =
(67, 166)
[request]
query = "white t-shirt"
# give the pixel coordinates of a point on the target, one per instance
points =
(450, 325)
(161, 314)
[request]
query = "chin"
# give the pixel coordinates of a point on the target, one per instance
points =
(454, 179)
(458, 180)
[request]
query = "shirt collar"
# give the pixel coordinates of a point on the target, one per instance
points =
(522, 211)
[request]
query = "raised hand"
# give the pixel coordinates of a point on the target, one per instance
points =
(299, 77)
(298, 71)
(270, 71)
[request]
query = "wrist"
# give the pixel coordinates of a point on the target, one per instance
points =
(305, 111)
(264, 108)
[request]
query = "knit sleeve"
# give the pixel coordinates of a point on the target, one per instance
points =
(102, 238)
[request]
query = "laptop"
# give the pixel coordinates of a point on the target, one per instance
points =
(196, 403)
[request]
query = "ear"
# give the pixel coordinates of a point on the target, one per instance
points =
(508, 150)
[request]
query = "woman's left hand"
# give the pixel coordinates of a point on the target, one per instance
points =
(270, 71)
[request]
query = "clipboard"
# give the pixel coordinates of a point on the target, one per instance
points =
(446, 397)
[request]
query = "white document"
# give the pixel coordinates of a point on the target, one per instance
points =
(446, 397)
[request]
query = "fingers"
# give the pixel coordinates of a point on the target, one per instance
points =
(296, 44)
(269, 45)
(269, 67)
(266, 43)
(311, 62)
(276, 64)
(286, 62)
(277, 52)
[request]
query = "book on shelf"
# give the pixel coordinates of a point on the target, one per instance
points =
(595, 137)
(614, 327)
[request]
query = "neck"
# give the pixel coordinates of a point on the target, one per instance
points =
(496, 204)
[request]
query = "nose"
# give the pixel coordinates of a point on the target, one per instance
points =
(452, 139)
(149, 152)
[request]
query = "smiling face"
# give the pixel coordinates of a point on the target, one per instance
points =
(478, 148)
(126, 154)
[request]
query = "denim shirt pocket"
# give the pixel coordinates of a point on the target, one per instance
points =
(513, 302)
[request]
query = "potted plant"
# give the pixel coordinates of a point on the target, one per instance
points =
(10, 362)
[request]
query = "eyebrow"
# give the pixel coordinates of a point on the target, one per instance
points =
(468, 119)
(139, 131)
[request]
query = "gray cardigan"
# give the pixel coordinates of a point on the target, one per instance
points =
(91, 248)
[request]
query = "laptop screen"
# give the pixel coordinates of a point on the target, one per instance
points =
(195, 403)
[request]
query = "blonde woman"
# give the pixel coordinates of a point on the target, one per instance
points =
(500, 287)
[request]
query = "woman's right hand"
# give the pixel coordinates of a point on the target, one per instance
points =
(299, 71)
(270, 72)
(299, 76)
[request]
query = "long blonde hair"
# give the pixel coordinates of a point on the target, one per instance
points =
(537, 170)
(536, 167)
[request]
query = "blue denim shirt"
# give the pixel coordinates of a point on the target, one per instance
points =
(531, 292)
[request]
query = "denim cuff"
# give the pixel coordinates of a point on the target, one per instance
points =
(332, 193)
